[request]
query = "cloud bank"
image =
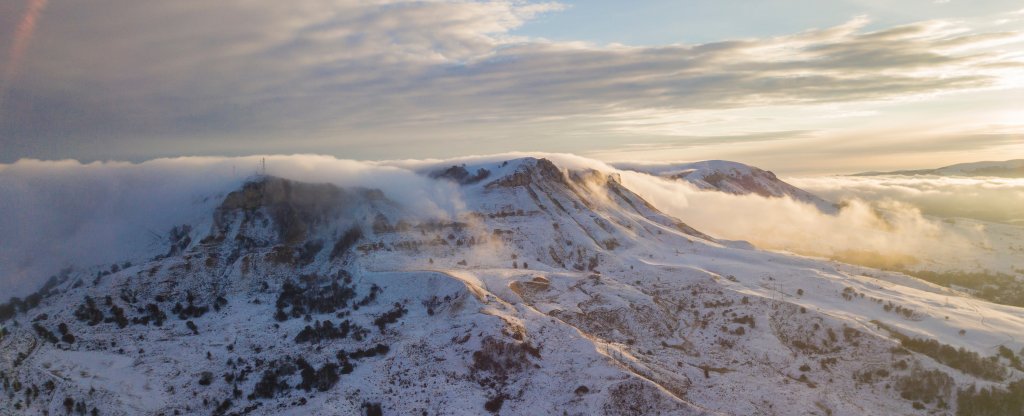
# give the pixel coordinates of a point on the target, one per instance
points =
(877, 233)
(989, 199)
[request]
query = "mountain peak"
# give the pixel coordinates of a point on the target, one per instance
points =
(530, 170)
(554, 289)
(733, 178)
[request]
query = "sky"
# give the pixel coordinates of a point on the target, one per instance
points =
(795, 86)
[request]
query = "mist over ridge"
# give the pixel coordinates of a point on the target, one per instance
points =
(59, 214)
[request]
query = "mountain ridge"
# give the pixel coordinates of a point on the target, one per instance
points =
(732, 178)
(553, 289)
(1007, 169)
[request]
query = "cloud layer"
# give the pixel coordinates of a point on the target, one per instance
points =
(989, 199)
(878, 233)
(134, 79)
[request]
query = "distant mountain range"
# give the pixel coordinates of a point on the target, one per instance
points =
(1005, 169)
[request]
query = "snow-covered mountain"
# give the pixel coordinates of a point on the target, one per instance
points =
(1004, 169)
(553, 290)
(730, 177)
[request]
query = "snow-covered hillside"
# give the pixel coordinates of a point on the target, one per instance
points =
(552, 289)
(731, 177)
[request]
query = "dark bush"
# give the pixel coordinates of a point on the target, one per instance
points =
(45, 333)
(493, 405)
(746, 319)
(390, 317)
(223, 407)
(152, 313)
(88, 312)
(373, 409)
(379, 349)
(272, 382)
(321, 380)
(314, 298)
(117, 316)
(325, 330)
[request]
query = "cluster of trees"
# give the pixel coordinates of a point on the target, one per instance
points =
(65, 335)
(345, 358)
(390, 317)
(992, 401)
(746, 319)
(926, 386)
(151, 313)
(79, 407)
(961, 359)
(31, 393)
(994, 287)
(16, 305)
(88, 312)
(379, 349)
(117, 315)
(900, 309)
(313, 298)
(498, 359)
(114, 268)
(369, 298)
(1008, 354)
(190, 311)
(321, 379)
(326, 330)
(45, 333)
(273, 381)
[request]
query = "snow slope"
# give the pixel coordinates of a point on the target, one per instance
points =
(551, 290)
